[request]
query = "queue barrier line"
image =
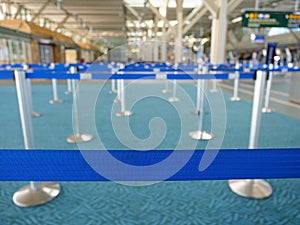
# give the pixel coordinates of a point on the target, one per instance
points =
(69, 165)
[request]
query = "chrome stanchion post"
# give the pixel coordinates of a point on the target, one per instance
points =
(69, 87)
(33, 113)
(200, 134)
(254, 188)
(113, 82)
(214, 86)
(197, 110)
(36, 193)
(55, 96)
(166, 90)
(113, 86)
(266, 108)
(236, 84)
(123, 111)
(77, 137)
(118, 98)
(174, 98)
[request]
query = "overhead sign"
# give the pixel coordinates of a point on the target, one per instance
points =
(257, 19)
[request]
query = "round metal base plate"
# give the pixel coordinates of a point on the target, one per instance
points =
(124, 113)
(116, 100)
(201, 135)
(173, 99)
(35, 114)
(196, 112)
(68, 92)
(267, 110)
(213, 90)
(164, 91)
(255, 188)
(233, 99)
(26, 196)
(79, 138)
(55, 101)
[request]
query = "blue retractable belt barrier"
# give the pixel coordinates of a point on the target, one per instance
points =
(69, 165)
(6, 75)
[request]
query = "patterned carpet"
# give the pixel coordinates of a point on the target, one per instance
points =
(190, 202)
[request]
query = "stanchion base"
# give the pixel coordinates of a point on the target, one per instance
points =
(173, 99)
(26, 196)
(55, 101)
(213, 90)
(112, 92)
(196, 112)
(235, 99)
(79, 138)
(124, 113)
(68, 92)
(116, 100)
(35, 114)
(267, 110)
(255, 188)
(164, 91)
(201, 135)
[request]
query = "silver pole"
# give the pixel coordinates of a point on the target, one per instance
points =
(123, 111)
(34, 114)
(174, 98)
(296, 5)
(256, 109)
(113, 82)
(122, 97)
(197, 110)
(266, 108)
(254, 188)
(214, 87)
(236, 84)
(75, 108)
(55, 96)
(77, 136)
(113, 86)
(35, 193)
(69, 87)
(166, 90)
(117, 99)
(200, 134)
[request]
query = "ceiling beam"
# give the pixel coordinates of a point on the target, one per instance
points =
(192, 14)
(62, 22)
(18, 11)
(157, 13)
(294, 35)
(233, 4)
(43, 7)
(212, 7)
(194, 20)
(133, 12)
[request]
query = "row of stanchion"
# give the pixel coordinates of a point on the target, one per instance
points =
(38, 193)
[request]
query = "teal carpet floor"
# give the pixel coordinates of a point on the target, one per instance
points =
(189, 202)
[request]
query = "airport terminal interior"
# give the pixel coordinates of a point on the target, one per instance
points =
(138, 112)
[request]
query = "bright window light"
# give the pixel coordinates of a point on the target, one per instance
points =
(159, 3)
(278, 30)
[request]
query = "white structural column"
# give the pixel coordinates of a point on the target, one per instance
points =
(219, 30)
(178, 48)
(156, 44)
(218, 9)
(163, 13)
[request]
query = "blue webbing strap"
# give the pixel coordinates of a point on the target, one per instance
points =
(6, 75)
(69, 165)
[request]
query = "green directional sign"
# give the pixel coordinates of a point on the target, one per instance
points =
(257, 19)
